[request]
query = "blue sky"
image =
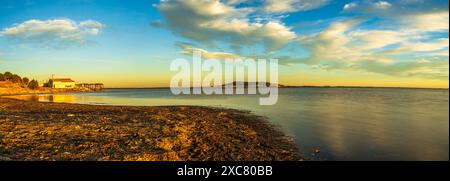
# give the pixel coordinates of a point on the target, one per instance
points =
(318, 42)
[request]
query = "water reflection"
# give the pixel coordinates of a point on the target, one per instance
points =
(346, 124)
(59, 98)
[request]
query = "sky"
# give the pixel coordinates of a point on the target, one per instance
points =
(389, 43)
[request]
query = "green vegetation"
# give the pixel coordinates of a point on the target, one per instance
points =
(8, 75)
(23, 82)
(16, 79)
(33, 84)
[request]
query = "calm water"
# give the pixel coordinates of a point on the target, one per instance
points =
(344, 123)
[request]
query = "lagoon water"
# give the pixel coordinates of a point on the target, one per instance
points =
(343, 123)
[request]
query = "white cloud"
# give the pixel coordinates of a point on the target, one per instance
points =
(188, 50)
(53, 32)
(330, 44)
(382, 4)
(430, 22)
(374, 39)
(343, 46)
(350, 6)
(282, 6)
(428, 46)
(408, 47)
(211, 21)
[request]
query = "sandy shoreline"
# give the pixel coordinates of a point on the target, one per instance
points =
(58, 131)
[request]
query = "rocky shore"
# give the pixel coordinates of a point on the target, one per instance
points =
(55, 131)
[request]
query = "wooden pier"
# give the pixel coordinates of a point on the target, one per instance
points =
(95, 86)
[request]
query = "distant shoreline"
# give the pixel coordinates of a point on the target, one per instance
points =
(13, 91)
(350, 87)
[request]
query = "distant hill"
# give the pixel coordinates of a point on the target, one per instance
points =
(246, 84)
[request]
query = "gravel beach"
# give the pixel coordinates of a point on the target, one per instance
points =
(58, 131)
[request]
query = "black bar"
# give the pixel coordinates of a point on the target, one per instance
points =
(312, 170)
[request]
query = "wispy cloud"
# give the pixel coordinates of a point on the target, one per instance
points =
(382, 4)
(57, 33)
(344, 46)
(394, 8)
(431, 69)
(400, 44)
(189, 50)
(350, 6)
(284, 6)
(212, 21)
(429, 21)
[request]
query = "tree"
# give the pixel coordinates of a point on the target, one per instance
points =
(25, 81)
(16, 79)
(2, 77)
(8, 75)
(33, 84)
